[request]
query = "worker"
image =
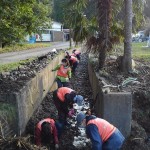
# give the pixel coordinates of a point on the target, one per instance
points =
(76, 53)
(73, 62)
(47, 132)
(103, 135)
(64, 98)
(63, 73)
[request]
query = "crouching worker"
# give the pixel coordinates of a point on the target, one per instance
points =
(103, 135)
(73, 61)
(47, 132)
(64, 98)
(76, 53)
(63, 73)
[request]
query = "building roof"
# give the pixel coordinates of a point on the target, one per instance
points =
(54, 22)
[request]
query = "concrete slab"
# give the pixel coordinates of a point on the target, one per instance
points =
(26, 101)
(117, 109)
(114, 107)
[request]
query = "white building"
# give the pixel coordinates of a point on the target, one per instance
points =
(56, 26)
(48, 34)
(55, 33)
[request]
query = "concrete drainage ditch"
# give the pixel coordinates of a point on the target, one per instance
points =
(115, 107)
(16, 107)
(118, 104)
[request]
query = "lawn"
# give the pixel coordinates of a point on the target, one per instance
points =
(141, 51)
(20, 47)
(14, 65)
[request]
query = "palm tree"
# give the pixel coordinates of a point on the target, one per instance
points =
(104, 21)
(127, 57)
(105, 29)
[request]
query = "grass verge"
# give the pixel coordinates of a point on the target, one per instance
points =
(20, 47)
(14, 65)
(139, 51)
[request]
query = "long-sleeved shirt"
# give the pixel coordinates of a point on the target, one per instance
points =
(62, 78)
(93, 134)
(103, 134)
(38, 131)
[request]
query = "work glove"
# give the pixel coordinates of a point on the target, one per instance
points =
(56, 146)
(71, 113)
(43, 148)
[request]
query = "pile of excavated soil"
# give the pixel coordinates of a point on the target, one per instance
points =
(16, 79)
(140, 88)
(139, 138)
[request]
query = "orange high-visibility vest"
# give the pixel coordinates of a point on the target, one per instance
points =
(73, 55)
(62, 91)
(77, 52)
(51, 121)
(105, 129)
(74, 59)
(63, 71)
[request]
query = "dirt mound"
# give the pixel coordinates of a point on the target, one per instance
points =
(138, 139)
(16, 79)
(18, 143)
(140, 132)
(140, 89)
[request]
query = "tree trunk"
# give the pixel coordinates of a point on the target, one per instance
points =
(127, 57)
(104, 19)
(0, 44)
(70, 38)
(148, 43)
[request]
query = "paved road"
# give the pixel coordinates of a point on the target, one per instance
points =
(22, 55)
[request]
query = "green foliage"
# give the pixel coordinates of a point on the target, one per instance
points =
(19, 17)
(139, 51)
(146, 8)
(14, 65)
(20, 47)
(58, 11)
(138, 17)
(75, 11)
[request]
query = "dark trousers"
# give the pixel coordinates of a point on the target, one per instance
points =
(74, 66)
(62, 84)
(78, 56)
(114, 142)
(60, 128)
(62, 116)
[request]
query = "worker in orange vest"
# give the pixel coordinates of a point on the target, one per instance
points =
(76, 53)
(73, 61)
(104, 136)
(63, 73)
(64, 98)
(47, 131)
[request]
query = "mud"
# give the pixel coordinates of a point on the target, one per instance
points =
(140, 133)
(80, 83)
(14, 80)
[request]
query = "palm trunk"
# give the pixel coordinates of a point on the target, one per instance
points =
(127, 58)
(0, 44)
(148, 43)
(104, 18)
(70, 38)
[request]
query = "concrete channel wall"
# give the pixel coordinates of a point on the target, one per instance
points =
(17, 108)
(115, 107)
